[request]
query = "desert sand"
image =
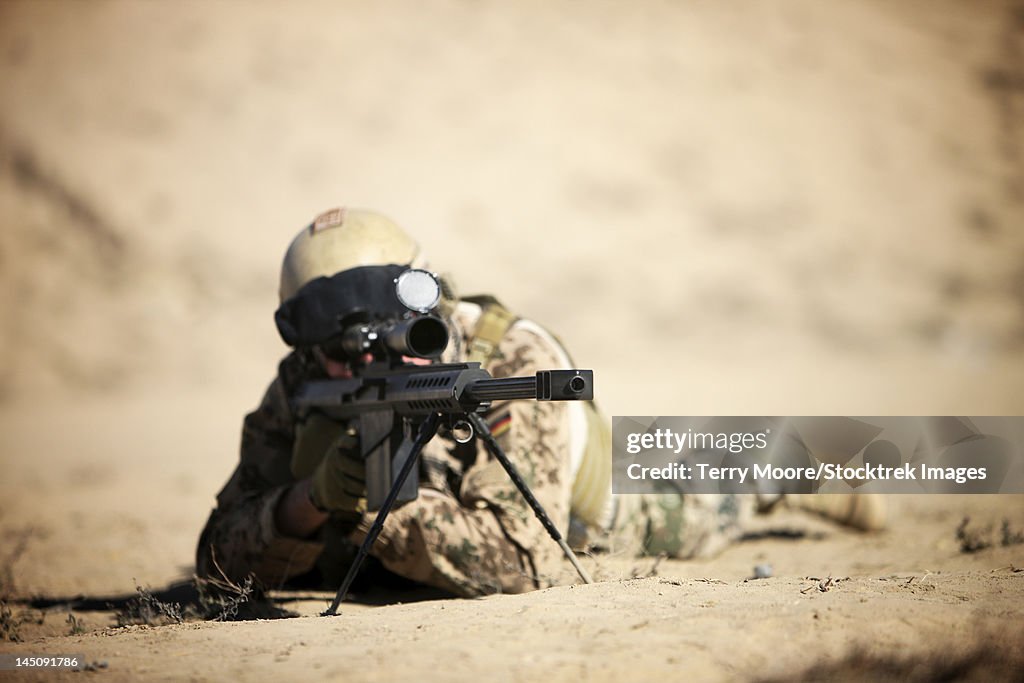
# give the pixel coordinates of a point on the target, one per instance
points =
(752, 207)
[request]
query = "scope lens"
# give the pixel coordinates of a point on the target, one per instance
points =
(418, 290)
(427, 337)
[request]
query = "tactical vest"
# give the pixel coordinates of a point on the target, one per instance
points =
(591, 485)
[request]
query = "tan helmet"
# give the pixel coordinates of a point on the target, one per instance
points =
(344, 238)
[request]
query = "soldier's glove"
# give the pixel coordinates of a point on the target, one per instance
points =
(339, 483)
(328, 453)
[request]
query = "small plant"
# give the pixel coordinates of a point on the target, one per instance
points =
(221, 599)
(147, 609)
(75, 627)
(226, 599)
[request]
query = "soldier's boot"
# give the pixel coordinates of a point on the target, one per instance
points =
(861, 511)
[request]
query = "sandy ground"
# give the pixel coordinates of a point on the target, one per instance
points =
(744, 208)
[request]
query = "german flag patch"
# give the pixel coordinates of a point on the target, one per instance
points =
(500, 423)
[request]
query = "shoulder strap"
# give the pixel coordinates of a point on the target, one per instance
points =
(491, 327)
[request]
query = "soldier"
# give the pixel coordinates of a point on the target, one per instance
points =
(293, 510)
(293, 505)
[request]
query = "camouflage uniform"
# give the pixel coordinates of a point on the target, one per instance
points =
(677, 525)
(470, 531)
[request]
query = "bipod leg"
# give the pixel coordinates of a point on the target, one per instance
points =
(496, 450)
(425, 434)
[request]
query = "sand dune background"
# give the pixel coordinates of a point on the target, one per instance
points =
(723, 208)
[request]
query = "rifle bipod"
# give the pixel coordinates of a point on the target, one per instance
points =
(426, 432)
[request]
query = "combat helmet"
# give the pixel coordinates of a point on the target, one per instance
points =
(345, 238)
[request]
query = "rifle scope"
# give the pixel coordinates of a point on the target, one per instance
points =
(421, 337)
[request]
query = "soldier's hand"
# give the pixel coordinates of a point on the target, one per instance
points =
(339, 482)
(328, 453)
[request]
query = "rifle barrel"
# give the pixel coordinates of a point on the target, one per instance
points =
(504, 389)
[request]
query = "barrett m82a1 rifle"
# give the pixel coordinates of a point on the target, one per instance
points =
(398, 406)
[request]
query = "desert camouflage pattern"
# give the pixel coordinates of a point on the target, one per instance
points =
(469, 532)
(676, 525)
